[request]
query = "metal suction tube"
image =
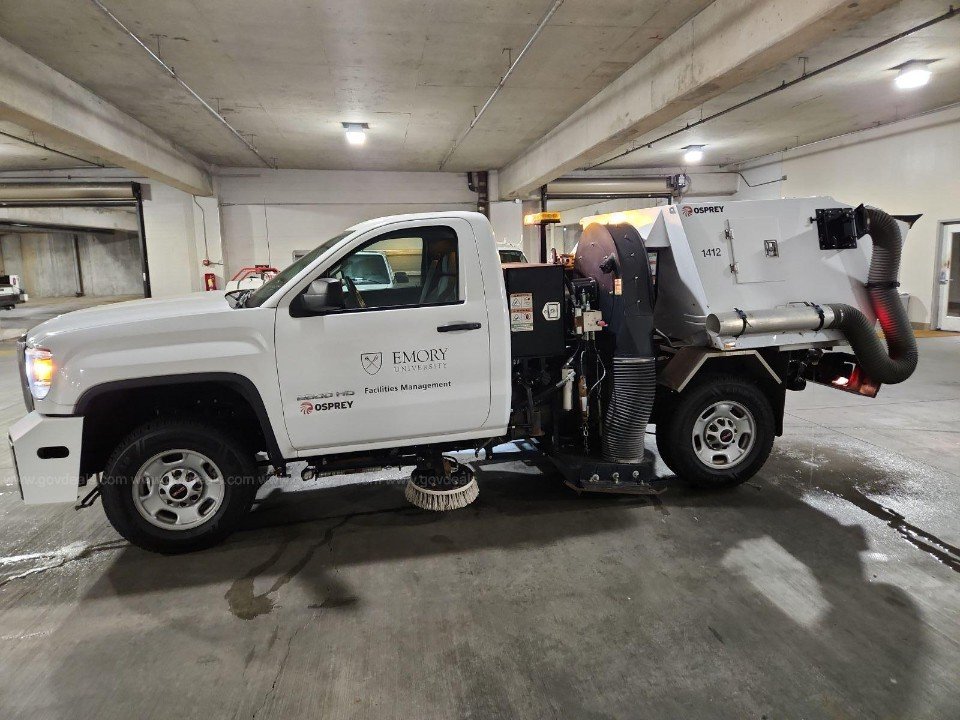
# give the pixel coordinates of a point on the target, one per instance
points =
(783, 319)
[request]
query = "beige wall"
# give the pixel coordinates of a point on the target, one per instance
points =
(905, 168)
(267, 215)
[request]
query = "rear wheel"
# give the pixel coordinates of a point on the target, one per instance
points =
(174, 486)
(719, 433)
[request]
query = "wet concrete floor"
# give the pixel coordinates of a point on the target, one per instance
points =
(827, 587)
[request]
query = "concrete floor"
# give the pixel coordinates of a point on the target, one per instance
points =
(827, 587)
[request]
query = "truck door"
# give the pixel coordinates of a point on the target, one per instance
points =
(405, 359)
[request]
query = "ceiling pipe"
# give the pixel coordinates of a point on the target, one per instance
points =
(172, 73)
(503, 81)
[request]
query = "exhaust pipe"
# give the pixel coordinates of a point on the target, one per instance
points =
(889, 365)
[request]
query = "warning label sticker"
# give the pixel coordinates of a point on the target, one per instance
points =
(521, 312)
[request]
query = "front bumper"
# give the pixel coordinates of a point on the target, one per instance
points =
(46, 457)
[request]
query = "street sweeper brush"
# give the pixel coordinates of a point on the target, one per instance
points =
(441, 486)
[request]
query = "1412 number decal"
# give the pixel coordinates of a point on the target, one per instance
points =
(711, 252)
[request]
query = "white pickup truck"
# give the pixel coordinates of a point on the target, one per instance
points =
(174, 410)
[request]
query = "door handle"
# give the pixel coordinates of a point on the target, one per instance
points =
(456, 327)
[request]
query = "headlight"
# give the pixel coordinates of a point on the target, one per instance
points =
(39, 367)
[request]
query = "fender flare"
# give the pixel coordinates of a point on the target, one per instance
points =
(685, 365)
(239, 383)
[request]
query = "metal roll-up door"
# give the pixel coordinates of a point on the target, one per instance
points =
(53, 206)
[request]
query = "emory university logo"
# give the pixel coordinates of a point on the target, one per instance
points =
(306, 408)
(371, 362)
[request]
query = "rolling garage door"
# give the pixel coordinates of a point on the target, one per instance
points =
(83, 207)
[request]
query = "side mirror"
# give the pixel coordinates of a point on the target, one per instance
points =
(401, 278)
(322, 295)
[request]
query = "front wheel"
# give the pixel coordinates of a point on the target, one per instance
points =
(174, 486)
(719, 433)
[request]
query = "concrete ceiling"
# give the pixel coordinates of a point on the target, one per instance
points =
(855, 96)
(287, 74)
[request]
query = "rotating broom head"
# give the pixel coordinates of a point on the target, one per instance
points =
(441, 486)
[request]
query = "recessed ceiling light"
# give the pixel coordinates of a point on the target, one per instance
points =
(355, 132)
(913, 75)
(693, 154)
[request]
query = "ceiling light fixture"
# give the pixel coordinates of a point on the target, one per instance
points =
(693, 154)
(355, 132)
(913, 74)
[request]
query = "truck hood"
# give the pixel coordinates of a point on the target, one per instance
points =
(129, 312)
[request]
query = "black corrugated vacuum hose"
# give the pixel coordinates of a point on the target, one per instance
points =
(631, 403)
(897, 361)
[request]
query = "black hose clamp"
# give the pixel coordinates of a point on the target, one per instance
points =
(820, 314)
(819, 310)
(743, 317)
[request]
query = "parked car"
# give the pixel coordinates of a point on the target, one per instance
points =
(371, 270)
(10, 292)
(511, 255)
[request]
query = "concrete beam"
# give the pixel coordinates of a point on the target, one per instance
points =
(39, 98)
(72, 217)
(727, 44)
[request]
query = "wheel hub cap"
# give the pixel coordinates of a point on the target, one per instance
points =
(178, 489)
(724, 434)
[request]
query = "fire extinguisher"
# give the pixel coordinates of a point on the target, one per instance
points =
(209, 281)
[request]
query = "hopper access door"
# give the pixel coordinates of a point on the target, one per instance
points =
(755, 249)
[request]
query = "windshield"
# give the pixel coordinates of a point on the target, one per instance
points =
(260, 295)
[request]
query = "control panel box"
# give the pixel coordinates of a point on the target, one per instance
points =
(535, 304)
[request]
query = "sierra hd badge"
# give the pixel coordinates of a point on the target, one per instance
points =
(371, 362)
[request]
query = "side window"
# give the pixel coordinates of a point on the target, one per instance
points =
(404, 268)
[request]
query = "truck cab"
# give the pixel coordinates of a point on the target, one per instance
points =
(339, 353)
(414, 361)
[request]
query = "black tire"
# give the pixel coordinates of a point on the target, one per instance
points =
(675, 436)
(236, 466)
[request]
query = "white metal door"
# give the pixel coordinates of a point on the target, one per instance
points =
(756, 249)
(379, 375)
(948, 279)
